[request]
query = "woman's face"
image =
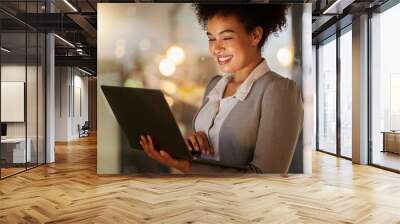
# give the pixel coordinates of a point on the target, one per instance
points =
(230, 45)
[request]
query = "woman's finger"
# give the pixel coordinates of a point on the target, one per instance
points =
(155, 153)
(145, 148)
(202, 144)
(193, 140)
(151, 148)
(210, 148)
(148, 146)
(204, 138)
(143, 139)
(162, 156)
(142, 142)
(168, 159)
(188, 144)
(150, 141)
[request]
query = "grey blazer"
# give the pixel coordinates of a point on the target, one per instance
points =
(260, 132)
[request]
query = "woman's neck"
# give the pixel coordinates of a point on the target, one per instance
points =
(241, 75)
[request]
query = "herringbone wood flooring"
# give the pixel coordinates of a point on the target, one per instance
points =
(69, 191)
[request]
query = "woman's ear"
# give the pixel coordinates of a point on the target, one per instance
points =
(257, 34)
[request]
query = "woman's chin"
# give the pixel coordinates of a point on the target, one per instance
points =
(226, 69)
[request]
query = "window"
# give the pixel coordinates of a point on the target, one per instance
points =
(346, 93)
(334, 106)
(327, 96)
(385, 89)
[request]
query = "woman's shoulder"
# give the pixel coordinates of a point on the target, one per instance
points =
(276, 82)
(279, 89)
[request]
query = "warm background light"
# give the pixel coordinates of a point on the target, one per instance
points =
(284, 56)
(176, 54)
(166, 67)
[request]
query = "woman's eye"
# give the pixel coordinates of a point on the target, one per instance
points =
(227, 38)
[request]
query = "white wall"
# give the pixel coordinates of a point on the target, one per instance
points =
(16, 73)
(33, 126)
(71, 94)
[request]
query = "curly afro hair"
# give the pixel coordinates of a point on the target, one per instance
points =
(271, 17)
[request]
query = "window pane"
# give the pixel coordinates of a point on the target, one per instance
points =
(386, 89)
(345, 94)
(327, 97)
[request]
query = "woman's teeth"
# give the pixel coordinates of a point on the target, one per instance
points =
(223, 60)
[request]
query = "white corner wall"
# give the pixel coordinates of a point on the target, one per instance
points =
(71, 102)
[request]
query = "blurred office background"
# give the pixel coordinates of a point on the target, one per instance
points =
(170, 52)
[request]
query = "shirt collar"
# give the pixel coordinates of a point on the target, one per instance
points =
(244, 88)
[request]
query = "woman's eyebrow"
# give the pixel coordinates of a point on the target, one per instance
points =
(224, 31)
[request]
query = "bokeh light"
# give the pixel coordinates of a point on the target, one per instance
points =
(167, 67)
(176, 54)
(285, 56)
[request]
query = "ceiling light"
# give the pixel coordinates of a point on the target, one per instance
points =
(337, 7)
(64, 40)
(70, 5)
(5, 50)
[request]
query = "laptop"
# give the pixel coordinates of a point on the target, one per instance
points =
(141, 111)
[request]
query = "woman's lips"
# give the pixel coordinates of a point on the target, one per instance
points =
(224, 59)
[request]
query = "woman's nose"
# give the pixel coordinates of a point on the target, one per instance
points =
(218, 47)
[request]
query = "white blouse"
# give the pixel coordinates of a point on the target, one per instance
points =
(212, 115)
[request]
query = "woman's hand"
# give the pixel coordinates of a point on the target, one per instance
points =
(163, 157)
(198, 141)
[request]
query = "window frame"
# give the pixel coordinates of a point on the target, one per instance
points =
(334, 37)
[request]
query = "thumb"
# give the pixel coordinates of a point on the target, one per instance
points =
(168, 158)
(164, 154)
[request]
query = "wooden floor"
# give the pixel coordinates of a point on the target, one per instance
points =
(69, 191)
(5, 172)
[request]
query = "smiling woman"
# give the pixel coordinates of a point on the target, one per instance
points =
(251, 117)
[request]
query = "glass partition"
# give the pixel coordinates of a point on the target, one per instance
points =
(13, 105)
(22, 91)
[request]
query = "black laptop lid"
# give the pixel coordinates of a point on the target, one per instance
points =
(145, 111)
